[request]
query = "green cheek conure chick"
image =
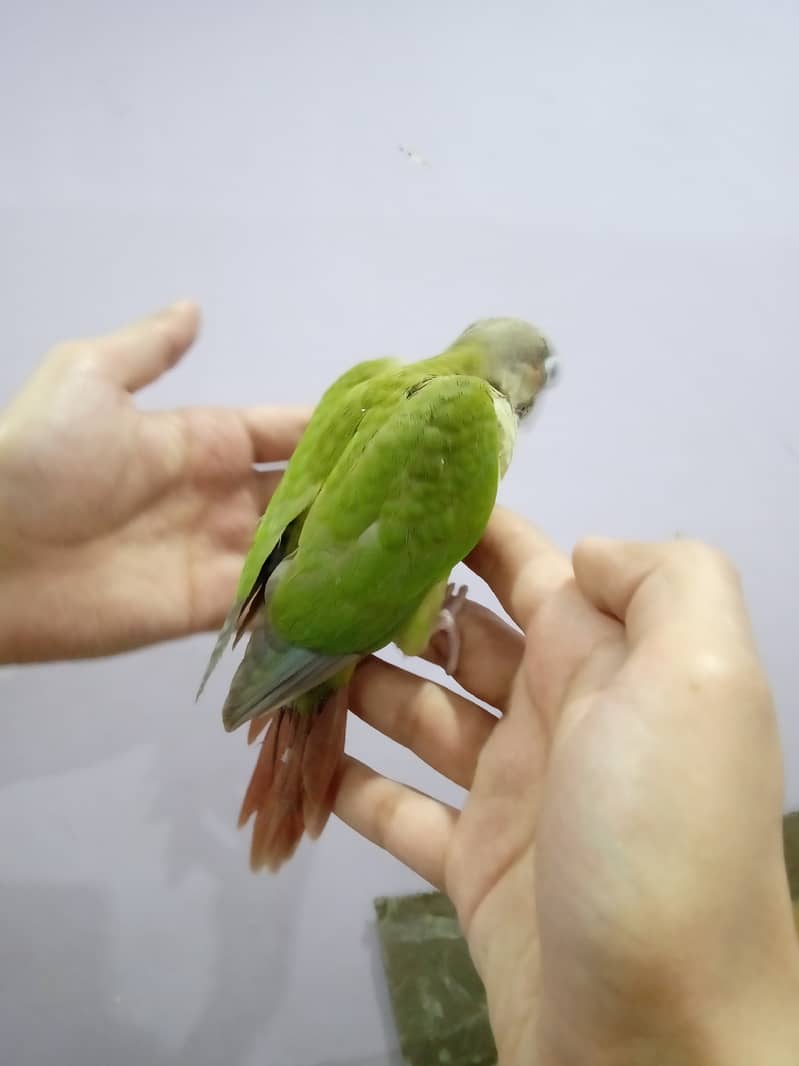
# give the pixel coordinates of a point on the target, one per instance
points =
(390, 487)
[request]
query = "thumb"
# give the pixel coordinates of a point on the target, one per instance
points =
(141, 352)
(609, 572)
(648, 585)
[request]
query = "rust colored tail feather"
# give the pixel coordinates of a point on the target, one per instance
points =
(293, 786)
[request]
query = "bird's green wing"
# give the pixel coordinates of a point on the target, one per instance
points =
(408, 498)
(329, 431)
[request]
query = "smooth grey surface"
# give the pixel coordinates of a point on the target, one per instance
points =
(623, 174)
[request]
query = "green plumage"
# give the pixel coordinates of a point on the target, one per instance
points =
(334, 421)
(390, 487)
(408, 498)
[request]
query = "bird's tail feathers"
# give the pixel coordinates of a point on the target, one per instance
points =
(293, 786)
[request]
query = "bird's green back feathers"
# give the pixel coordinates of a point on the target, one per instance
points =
(391, 486)
(407, 500)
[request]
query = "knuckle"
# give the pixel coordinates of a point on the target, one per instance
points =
(384, 814)
(708, 671)
(72, 354)
(731, 676)
(409, 727)
(699, 555)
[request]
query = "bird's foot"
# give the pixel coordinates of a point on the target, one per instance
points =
(447, 623)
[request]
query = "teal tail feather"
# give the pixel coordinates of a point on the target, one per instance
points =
(273, 674)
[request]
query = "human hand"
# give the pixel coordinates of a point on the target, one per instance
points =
(119, 527)
(617, 867)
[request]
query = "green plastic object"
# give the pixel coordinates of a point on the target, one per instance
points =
(790, 832)
(437, 997)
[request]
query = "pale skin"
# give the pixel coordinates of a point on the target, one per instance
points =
(119, 527)
(617, 867)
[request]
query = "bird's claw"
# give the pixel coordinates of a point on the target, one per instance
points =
(453, 601)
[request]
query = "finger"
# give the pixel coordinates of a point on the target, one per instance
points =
(274, 431)
(489, 656)
(262, 487)
(646, 586)
(445, 730)
(141, 352)
(414, 828)
(232, 523)
(520, 565)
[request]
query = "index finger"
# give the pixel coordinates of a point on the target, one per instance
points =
(274, 431)
(520, 565)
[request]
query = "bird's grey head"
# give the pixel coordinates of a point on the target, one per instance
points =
(518, 359)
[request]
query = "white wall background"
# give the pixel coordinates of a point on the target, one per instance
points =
(625, 174)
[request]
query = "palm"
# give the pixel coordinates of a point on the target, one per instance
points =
(562, 655)
(600, 805)
(490, 857)
(161, 505)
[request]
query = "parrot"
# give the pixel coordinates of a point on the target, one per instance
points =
(391, 485)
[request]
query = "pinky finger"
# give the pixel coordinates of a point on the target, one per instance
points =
(414, 828)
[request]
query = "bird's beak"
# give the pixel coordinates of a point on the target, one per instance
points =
(552, 369)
